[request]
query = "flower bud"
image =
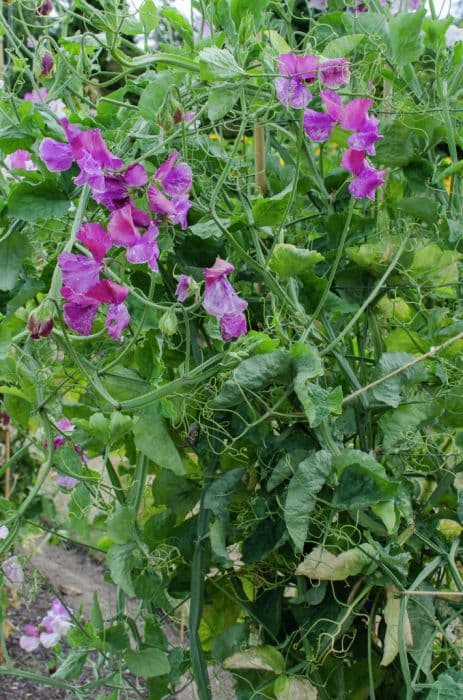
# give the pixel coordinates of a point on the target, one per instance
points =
(47, 66)
(44, 8)
(40, 323)
(168, 323)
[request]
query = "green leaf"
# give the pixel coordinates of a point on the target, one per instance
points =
(120, 562)
(294, 688)
(363, 481)
(405, 420)
(33, 202)
(117, 637)
(325, 566)
(98, 426)
(147, 663)
(232, 639)
(449, 686)
(421, 208)
(422, 613)
(405, 37)
(218, 64)
(180, 24)
(308, 480)
(263, 658)
(13, 250)
(396, 148)
(319, 403)
(240, 8)
(391, 391)
(220, 101)
(153, 439)
(158, 528)
(72, 666)
(149, 15)
(220, 492)
(121, 526)
(288, 261)
(96, 616)
(343, 45)
(277, 42)
(153, 96)
(119, 425)
(436, 268)
(78, 510)
(254, 374)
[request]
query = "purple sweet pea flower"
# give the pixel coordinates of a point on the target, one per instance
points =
(333, 104)
(318, 125)
(95, 238)
(12, 569)
(38, 96)
(233, 326)
(121, 227)
(353, 161)
(20, 160)
(66, 426)
(146, 249)
(175, 210)
(66, 482)
(175, 179)
(56, 155)
(31, 640)
(334, 72)
(117, 319)
(221, 300)
(81, 307)
(296, 72)
(184, 288)
(366, 182)
(39, 327)
(79, 272)
(355, 114)
(366, 137)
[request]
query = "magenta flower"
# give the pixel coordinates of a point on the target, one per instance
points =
(95, 238)
(81, 308)
(318, 125)
(12, 569)
(145, 249)
(39, 327)
(79, 272)
(175, 209)
(20, 160)
(30, 641)
(221, 300)
(334, 72)
(56, 155)
(353, 161)
(121, 227)
(175, 179)
(184, 117)
(365, 183)
(6, 419)
(296, 73)
(66, 426)
(365, 138)
(184, 288)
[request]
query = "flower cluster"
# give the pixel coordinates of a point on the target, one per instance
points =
(48, 633)
(84, 289)
(353, 117)
(176, 181)
(220, 299)
(299, 71)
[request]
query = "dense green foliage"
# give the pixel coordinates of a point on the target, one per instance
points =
(298, 490)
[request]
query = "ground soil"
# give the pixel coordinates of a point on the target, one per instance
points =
(75, 575)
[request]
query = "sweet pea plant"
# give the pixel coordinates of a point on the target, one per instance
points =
(232, 334)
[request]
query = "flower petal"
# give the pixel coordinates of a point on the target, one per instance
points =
(117, 319)
(232, 326)
(96, 239)
(121, 228)
(318, 125)
(56, 155)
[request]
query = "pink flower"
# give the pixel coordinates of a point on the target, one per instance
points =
(37, 96)
(66, 482)
(48, 633)
(13, 572)
(296, 72)
(318, 125)
(221, 300)
(31, 640)
(20, 160)
(95, 238)
(145, 249)
(175, 179)
(184, 288)
(334, 72)
(175, 209)
(81, 308)
(366, 182)
(353, 161)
